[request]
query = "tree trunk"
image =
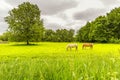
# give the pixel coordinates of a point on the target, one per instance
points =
(27, 42)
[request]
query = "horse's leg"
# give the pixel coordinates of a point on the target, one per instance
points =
(67, 48)
(91, 46)
(83, 47)
(76, 48)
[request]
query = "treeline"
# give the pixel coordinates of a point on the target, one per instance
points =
(60, 35)
(103, 29)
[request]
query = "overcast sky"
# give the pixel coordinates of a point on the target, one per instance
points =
(69, 14)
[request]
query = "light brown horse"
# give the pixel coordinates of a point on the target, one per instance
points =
(70, 46)
(87, 45)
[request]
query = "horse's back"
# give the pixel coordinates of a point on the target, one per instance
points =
(72, 45)
(87, 45)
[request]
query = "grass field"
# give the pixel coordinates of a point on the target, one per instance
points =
(51, 61)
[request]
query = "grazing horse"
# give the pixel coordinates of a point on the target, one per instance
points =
(70, 46)
(87, 45)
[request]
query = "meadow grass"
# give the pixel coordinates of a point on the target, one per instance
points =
(51, 61)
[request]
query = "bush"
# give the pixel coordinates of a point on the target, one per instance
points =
(113, 40)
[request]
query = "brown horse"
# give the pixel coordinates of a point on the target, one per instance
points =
(70, 46)
(87, 45)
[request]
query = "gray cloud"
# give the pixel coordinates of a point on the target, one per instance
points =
(62, 16)
(53, 26)
(89, 14)
(49, 7)
(55, 6)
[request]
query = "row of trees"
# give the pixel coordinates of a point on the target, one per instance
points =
(102, 29)
(60, 35)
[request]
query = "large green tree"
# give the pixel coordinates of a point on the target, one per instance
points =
(102, 29)
(25, 23)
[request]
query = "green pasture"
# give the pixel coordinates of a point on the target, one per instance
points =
(51, 61)
(53, 49)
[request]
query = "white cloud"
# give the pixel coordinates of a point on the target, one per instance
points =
(85, 4)
(3, 27)
(4, 5)
(4, 8)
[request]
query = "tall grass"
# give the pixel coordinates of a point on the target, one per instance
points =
(46, 62)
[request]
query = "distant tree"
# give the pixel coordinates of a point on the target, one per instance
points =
(60, 35)
(5, 36)
(71, 35)
(64, 35)
(25, 23)
(49, 35)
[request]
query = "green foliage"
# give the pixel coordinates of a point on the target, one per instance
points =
(49, 35)
(64, 35)
(5, 36)
(114, 22)
(113, 40)
(102, 29)
(60, 35)
(83, 33)
(24, 23)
